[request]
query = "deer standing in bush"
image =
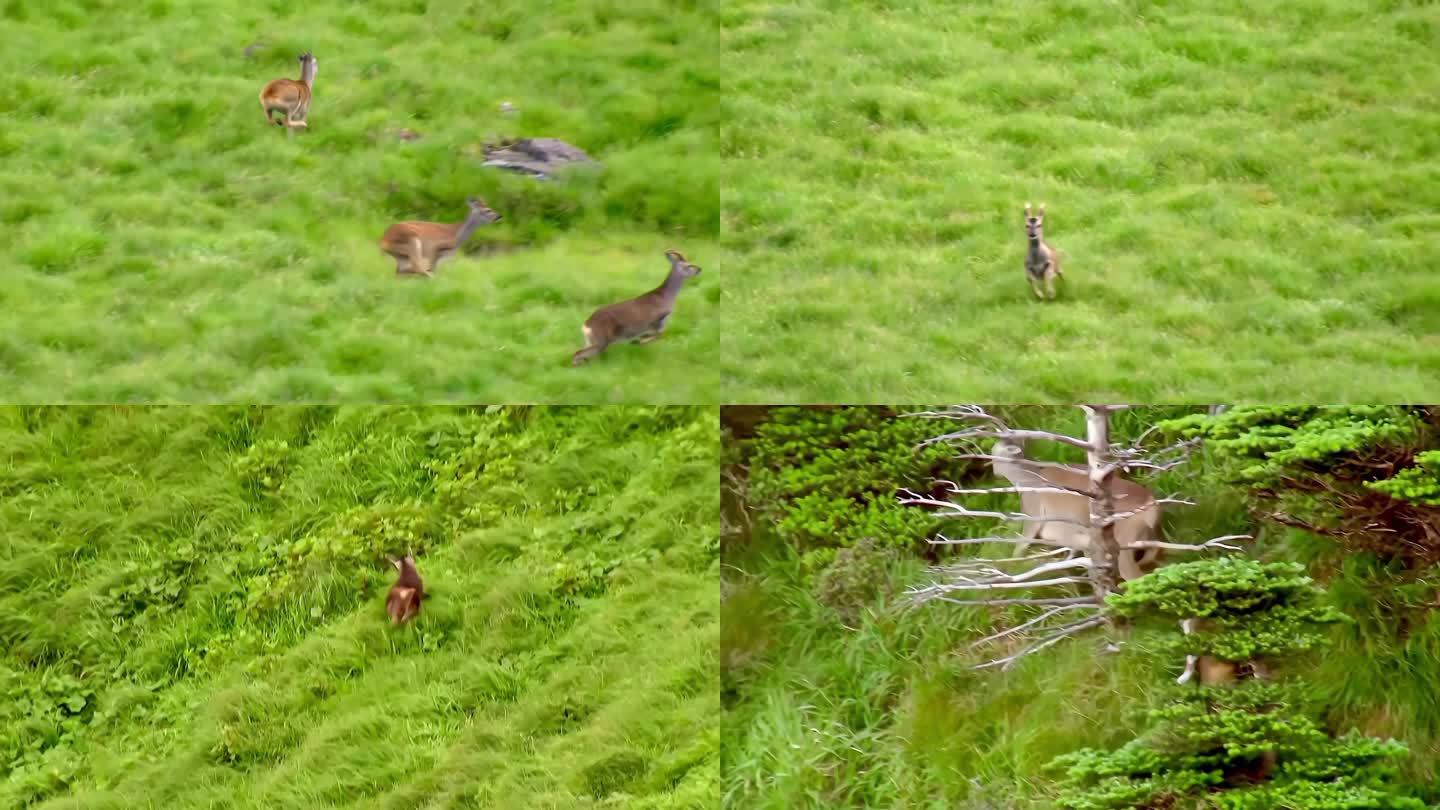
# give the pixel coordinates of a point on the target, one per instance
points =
(639, 319)
(291, 97)
(419, 247)
(1042, 262)
(1062, 518)
(403, 601)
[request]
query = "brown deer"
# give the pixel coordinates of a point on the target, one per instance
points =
(1042, 262)
(1062, 518)
(403, 601)
(291, 97)
(419, 247)
(639, 319)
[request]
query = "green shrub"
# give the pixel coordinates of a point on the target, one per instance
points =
(829, 478)
(1367, 476)
(1243, 745)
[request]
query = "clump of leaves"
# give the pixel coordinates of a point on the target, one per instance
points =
(263, 465)
(1245, 745)
(367, 533)
(1369, 476)
(1418, 484)
(1251, 609)
(828, 478)
(851, 582)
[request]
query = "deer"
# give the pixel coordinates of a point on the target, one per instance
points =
(640, 319)
(403, 601)
(418, 248)
(291, 97)
(1062, 518)
(1042, 262)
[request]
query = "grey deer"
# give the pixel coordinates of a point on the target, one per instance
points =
(1042, 262)
(640, 319)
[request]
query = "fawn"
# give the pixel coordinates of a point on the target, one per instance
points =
(419, 247)
(403, 601)
(1042, 262)
(640, 319)
(291, 97)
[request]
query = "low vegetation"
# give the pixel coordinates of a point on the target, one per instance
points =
(192, 608)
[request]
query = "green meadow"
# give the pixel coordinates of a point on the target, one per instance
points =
(1245, 196)
(192, 608)
(163, 242)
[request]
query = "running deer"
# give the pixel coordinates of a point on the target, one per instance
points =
(1062, 518)
(1042, 262)
(640, 319)
(419, 247)
(403, 601)
(291, 97)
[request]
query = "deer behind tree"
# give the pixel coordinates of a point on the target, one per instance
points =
(1062, 518)
(403, 601)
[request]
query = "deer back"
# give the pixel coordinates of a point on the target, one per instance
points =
(1069, 512)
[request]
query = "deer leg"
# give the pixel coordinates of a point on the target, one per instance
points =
(417, 258)
(1128, 568)
(655, 330)
(593, 347)
(1187, 626)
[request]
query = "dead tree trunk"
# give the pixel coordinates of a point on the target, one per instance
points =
(1104, 550)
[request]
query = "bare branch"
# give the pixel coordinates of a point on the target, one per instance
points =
(1014, 541)
(1008, 433)
(1214, 542)
(955, 510)
(978, 568)
(1059, 600)
(1037, 620)
(993, 560)
(1117, 517)
(1054, 638)
(1006, 584)
(956, 490)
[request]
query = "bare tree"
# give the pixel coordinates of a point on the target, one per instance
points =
(1086, 577)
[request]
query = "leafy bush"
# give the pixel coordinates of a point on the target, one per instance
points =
(1368, 477)
(1242, 745)
(262, 466)
(828, 478)
(853, 579)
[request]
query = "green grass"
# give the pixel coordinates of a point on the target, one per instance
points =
(886, 711)
(1245, 194)
(192, 612)
(164, 243)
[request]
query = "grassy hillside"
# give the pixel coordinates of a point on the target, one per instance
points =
(1244, 193)
(191, 608)
(836, 696)
(164, 242)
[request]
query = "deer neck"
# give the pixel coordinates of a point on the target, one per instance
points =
(670, 289)
(466, 228)
(1037, 245)
(307, 76)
